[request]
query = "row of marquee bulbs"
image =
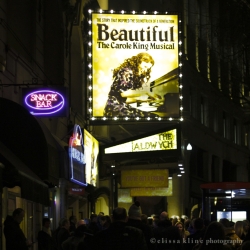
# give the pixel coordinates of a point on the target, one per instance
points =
(123, 12)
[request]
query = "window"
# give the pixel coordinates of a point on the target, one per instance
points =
(246, 139)
(229, 171)
(215, 120)
(204, 111)
(235, 130)
(225, 125)
(190, 102)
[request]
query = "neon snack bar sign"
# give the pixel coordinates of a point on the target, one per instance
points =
(44, 102)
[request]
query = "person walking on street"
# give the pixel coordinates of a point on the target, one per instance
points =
(120, 236)
(44, 236)
(63, 234)
(15, 238)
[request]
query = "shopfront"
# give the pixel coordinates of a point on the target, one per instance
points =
(31, 162)
(226, 200)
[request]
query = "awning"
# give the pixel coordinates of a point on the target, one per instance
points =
(16, 173)
(31, 141)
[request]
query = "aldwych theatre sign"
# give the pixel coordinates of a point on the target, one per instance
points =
(162, 141)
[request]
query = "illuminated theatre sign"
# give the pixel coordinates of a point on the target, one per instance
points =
(45, 102)
(77, 160)
(153, 191)
(157, 142)
(144, 178)
(91, 150)
(133, 66)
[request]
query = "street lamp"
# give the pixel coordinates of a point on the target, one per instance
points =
(189, 147)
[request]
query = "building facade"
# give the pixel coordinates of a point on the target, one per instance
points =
(48, 48)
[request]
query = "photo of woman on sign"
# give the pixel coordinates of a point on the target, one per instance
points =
(129, 94)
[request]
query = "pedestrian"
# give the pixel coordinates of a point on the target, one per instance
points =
(134, 220)
(63, 233)
(73, 241)
(15, 238)
(230, 234)
(196, 237)
(182, 231)
(72, 220)
(105, 221)
(119, 236)
(144, 218)
(55, 233)
(93, 227)
(44, 237)
(214, 238)
(80, 222)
